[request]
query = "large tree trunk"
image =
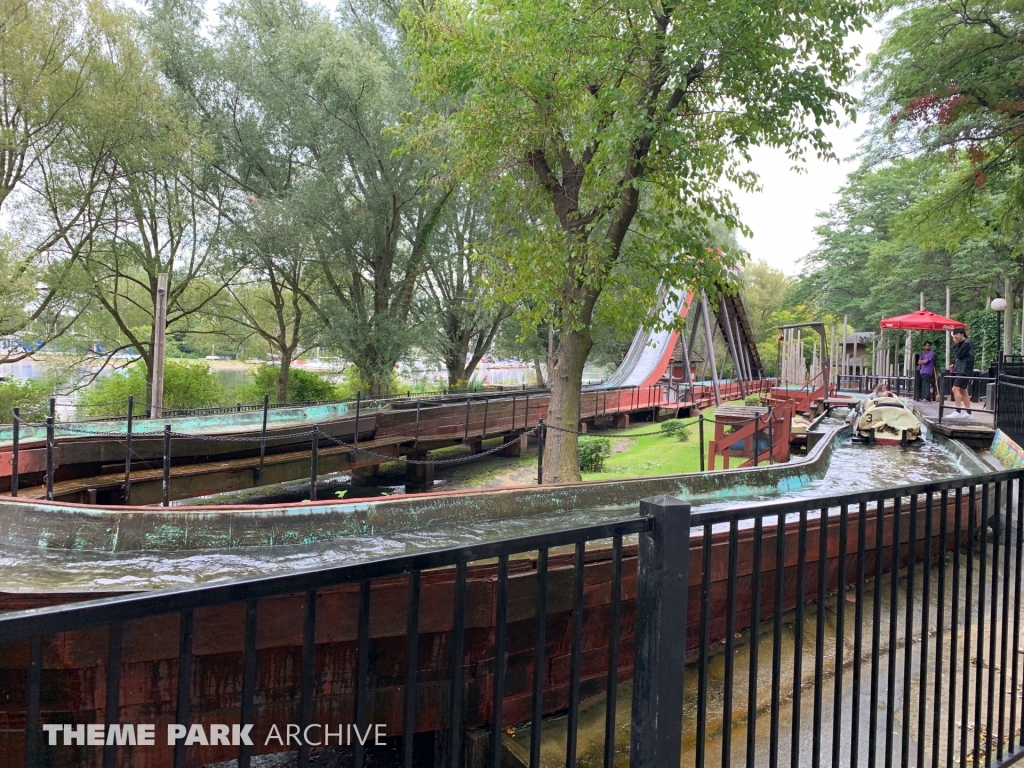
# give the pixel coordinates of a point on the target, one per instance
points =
(282, 375)
(565, 377)
(456, 372)
(538, 372)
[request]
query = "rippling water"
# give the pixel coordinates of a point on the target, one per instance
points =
(854, 467)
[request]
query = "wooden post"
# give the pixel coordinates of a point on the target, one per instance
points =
(359, 397)
(156, 407)
(540, 451)
(726, 324)
(661, 604)
(1008, 320)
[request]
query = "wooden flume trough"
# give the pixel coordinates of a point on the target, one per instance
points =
(74, 671)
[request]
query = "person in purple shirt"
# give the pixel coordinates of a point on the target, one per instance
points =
(926, 373)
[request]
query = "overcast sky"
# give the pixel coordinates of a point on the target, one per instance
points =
(783, 215)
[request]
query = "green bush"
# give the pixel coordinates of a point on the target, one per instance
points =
(186, 385)
(593, 452)
(303, 386)
(677, 427)
(30, 395)
(752, 400)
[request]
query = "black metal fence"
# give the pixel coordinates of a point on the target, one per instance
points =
(863, 384)
(1010, 404)
(870, 629)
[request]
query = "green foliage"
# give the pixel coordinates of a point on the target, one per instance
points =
(186, 385)
(303, 385)
(752, 400)
(593, 452)
(677, 428)
(30, 395)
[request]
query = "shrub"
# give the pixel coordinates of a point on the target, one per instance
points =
(303, 385)
(684, 433)
(671, 426)
(30, 395)
(593, 452)
(186, 385)
(752, 400)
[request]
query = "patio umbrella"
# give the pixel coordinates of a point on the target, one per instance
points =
(922, 320)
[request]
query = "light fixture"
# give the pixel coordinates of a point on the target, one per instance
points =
(998, 304)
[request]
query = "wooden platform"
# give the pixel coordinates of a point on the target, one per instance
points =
(977, 432)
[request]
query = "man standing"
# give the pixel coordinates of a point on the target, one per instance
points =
(926, 373)
(962, 368)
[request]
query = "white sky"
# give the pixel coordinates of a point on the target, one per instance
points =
(783, 215)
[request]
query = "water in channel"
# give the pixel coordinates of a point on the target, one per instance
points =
(853, 467)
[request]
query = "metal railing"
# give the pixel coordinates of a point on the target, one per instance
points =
(864, 384)
(1010, 405)
(873, 628)
(974, 390)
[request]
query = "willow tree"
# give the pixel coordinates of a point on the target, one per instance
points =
(617, 126)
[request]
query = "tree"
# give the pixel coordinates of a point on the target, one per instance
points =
(72, 75)
(456, 301)
(301, 107)
(947, 76)
(613, 125)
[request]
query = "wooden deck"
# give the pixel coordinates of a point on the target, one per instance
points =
(977, 431)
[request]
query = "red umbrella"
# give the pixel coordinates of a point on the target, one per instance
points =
(922, 320)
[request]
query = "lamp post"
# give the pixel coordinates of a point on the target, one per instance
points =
(998, 305)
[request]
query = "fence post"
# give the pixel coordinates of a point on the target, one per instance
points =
(49, 453)
(417, 435)
(16, 428)
(700, 440)
(314, 462)
(661, 602)
(771, 436)
(483, 429)
(757, 439)
(541, 433)
(942, 394)
(167, 467)
(359, 398)
(466, 436)
(128, 451)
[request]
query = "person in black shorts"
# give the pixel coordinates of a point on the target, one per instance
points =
(962, 368)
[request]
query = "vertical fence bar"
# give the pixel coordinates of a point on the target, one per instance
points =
(575, 658)
(184, 691)
(662, 591)
(541, 435)
(308, 673)
(872, 726)
(500, 638)
(1005, 638)
(416, 436)
(613, 655)
(954, 624)
(730, 643)
(15, 434)
(166, 485)
(890, 691)
(1019, 555)
(837, 705)
(798, 647)
(755, 621)
(858, 636)
(49, 458)
(412, 652)
(483, 429)
(35, 684)
(980, 638)
(248, 710)
(513, 412)
(466, 435)
(526, 414)
(457, 662)
(314, 462)
(263, 436)
(703, 670)
(926, 599)
(540, 640)
(968, 602)
(112, 708)
(780, 572)
(362, 709)
(908, 637)
(994, 528)
(940, 619)
(819, 637)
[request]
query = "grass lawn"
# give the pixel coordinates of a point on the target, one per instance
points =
(655, 454)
